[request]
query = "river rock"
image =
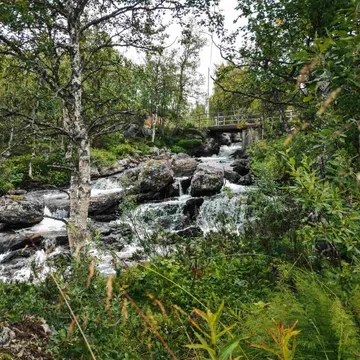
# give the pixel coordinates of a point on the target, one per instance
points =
(155, 176)
(16, 241)
(239, 154)
(183, 165)
(17, 212)
(114, 235)
(231, 175)
(102, 208)
(236, 137)
(246, 180)
(208, 148)
(207, 181)
(223, 139)
(192, 208)
(241, 166)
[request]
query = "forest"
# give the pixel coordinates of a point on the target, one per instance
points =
(145, 214)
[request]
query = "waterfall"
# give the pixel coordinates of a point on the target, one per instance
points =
(105, 186)
(177, 184)
(225, 209)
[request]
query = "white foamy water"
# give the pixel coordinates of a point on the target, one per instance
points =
(105, 186)
(48, 225)
(227, 207)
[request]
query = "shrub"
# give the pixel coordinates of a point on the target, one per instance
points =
(122, 150)
(189, 144)
(177, 149)
(102, 157)
(143, 148)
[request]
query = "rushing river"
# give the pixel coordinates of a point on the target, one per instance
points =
(144, 219)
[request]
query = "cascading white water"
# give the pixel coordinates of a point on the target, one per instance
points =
(224, 209)
(49, 225)
(151, 216)
(105, 186)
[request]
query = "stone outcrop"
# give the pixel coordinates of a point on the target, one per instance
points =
(223, 139)
(207, 181)
(207, 148)
(192, 208)
(18, 212)
(183, 165)
(155, 176)
(241, 166)
(231, 176)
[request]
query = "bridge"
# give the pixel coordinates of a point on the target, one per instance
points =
(236, 121)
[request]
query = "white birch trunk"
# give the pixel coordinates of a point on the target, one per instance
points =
(80, 186)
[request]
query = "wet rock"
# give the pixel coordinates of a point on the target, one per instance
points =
(208, 148)
(246, 180)
(102, 208)
(236, 137)
(223, 139)
(155, 176)
(207, 181)
(21, 253)
(183, 165)
(192, 208)
(17, 212)
(231, 175)
(241, 166)
(13, 242)
(239, 154)
(185, 184)
(105, 207)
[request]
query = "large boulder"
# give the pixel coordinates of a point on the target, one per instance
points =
(103, 207)
(183, 165)
(208, 148)
(241, 166)
(17, 212)
(246, 180)
(231, 175)
(239, 154)
(155, 176)
(223, 139)
(192, 208)
(207, 181)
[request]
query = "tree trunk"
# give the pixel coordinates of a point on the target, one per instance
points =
(80, 186)
(283, 117)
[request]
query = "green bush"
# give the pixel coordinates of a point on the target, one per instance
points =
(177, 149)
(143, 148)
(122, 150)
(102, 158)
(46, 170)
(189, 144)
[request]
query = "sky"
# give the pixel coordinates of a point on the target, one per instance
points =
(210, 55)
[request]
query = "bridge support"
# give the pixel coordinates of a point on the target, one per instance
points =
(249, 135)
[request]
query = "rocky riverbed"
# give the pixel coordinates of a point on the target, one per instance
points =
(184, 195)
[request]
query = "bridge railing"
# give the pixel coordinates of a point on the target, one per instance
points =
(235, 118)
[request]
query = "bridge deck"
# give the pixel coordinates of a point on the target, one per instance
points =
(235, 122)
(232, 128)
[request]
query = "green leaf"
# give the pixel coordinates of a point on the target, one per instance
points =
(227, 349)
